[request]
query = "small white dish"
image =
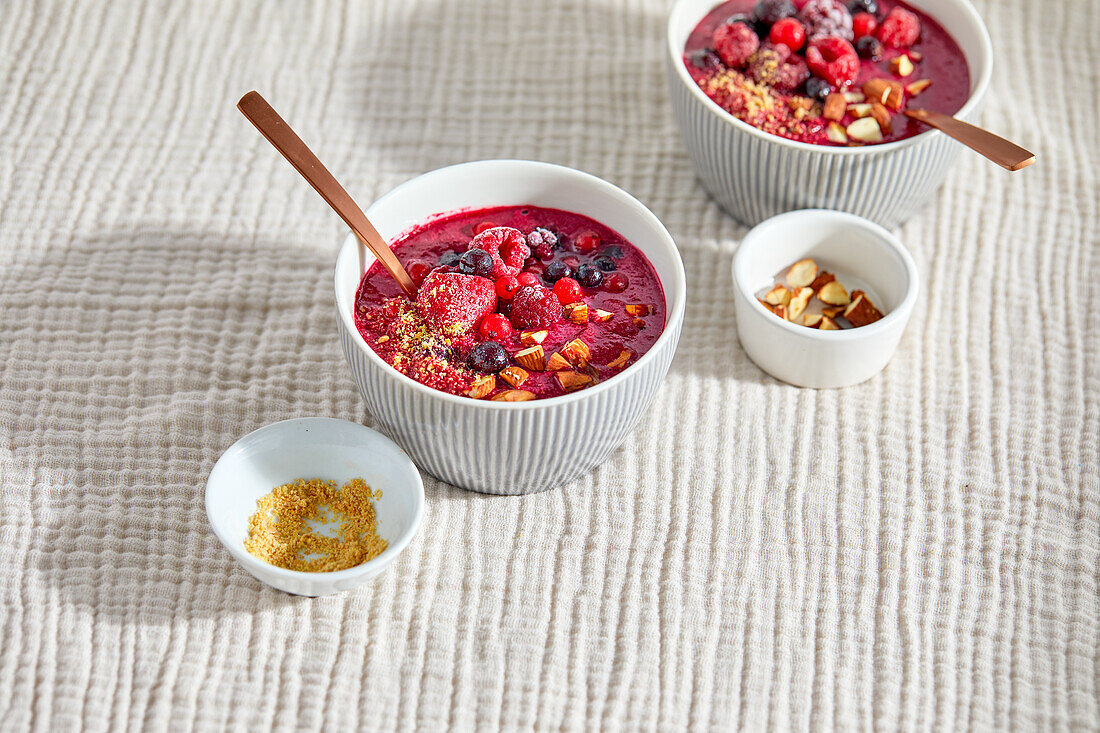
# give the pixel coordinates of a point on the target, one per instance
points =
(314, 447)
(861, 254)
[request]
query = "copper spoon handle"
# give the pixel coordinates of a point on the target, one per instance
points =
(1002, 152)
(279, 134)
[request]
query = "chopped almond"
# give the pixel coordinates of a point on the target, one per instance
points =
(860, 110)
(862, 311)
(835, 105)
(533, 358)
(557, 362)
(836, 133)
(799, 301)
(882, 117)
(832, 311)
(513, 395)
(577, 313)
(639, 322)
(577, 352)
(572, 381)
(621, 359)
(482, 386)
(834, 294)
(865, 130)
(828, 324)
(811, 319)
(781, 311)
(890, 93)
(821, 279)
(854, 97)
(766, 304)
(514, 375)
(639, 309)
(530, 338)
(778, 295)
(801, 273)
(901, 65)
(601, 315)
(917, 56)
(918, 86)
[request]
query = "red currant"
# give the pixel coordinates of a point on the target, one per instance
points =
(418, 270)
(616, 282)
(527, 278)
(863, 24)
(506, 287)
(568, 290)
(495, 327)
(789, 32)
(585, 242)
(478, 229)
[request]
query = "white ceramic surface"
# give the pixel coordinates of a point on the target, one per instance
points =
(501, 447)
(841, 243)
(754, 175)
(315, 447)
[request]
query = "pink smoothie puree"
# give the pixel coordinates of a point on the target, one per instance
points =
(741, 56)
(514, 303)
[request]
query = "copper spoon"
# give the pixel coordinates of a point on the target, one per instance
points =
(1002, 152)
(279, 134)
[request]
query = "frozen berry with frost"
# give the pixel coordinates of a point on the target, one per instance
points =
(475, 262)
(488, 357)
(817, 88)
(543, 242)
(869, 48)
(507, 246)
(705, 59)
(735, 43)
(789, 32)
(823, 18)
(766, 65)
(616, 282)
(589, 276)
(834, 60)
(863, 24)
(556, 271)
(494, 327)
(768, 12)
(899, 29)
(791, 75)
(568, 290)
(453, 302)
(535, 307)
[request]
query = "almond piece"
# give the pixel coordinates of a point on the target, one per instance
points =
(577, 312)
(821, 279)
(557, 362)
(832, 311)
(533, 358)
(917, 56)
(513, 395)
(766, 304)
(901, 65)
(639, 322)
(778, 295)
(890, 93)
(482, 386)
(828, 324)
(835, 104)
(781, 311)
(865, 130)
(860, 110)
(639, 309)
(514, 375)
(854, 97)
(801, 273)
(811, 320)
(882, 117)
(621, 360)
(601, 315)
(530, 338)
(862, 311)
(836, 133)
(834, 294)
(918, 86)
(572, 381)
(577, 352)
(799, 301)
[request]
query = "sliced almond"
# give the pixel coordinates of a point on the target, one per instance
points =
(860, 110)
(865, 130)
(828, 324)
(918, 86)
(836, 133)
(482, 386)
(621, 360)
(811, 319)
(832, 311)
(533, 358)
(901, 65)
(639, 309)
(835, 104)
(861, 311)
(778, 295)
(513, 395)
(801, 273)
(821, 279)
(854, 97)
(601, 315)
(514, 375)
(882, 117)
(557, 362)
(781, 311)
(766, 304)
(799, 301)
(530, 338)
(577, 352)
(572, 381)
(834, 294)
(577, 312)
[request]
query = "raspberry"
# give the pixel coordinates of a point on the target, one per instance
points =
(863, 24)
(834, 60)
(507, 246)
(735, 43)
(789, 32)
(494, 327)
(823, 18)
(453, 302)
(568, 290)
(899, 29)
(791, 75)
(535, 307)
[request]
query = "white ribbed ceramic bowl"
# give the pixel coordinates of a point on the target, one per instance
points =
(503, 447)
(754, 175)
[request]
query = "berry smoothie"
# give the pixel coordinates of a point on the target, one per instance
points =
(514, 303)
(827, 72)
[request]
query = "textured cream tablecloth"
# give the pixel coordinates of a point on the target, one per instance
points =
(919, 552)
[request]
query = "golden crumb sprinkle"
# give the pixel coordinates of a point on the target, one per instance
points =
(284, 529)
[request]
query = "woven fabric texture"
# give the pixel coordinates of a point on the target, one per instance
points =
(919, 552)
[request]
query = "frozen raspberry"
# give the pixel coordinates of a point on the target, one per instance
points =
(792, 74)
(863, 24)
(768, 12)
(766, 65)
(789, 32)
(899, 29)
(834, 60)
(823, 18)
(453, 303)
(533, 306)
(735, 43)
(507, 246)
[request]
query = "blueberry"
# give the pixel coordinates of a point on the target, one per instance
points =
(605, 263)
(476, 262)
(488, 357)
(613, 251)
(817, 87)
(449, 259)
(589, 276)
(863, 6)
(768, 12)
(556, 271)
(705, 59)
(869, 48)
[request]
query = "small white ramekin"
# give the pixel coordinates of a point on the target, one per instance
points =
(841, 242)
(313, 447)
(510, 447)
(754, 175)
